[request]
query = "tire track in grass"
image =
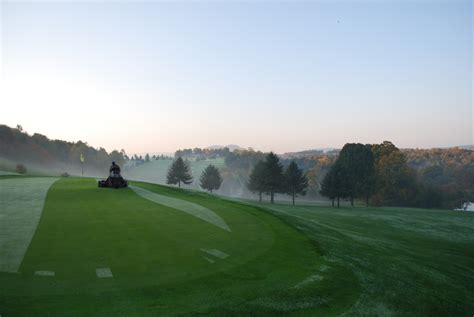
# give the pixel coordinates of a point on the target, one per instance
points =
(21, 205)
(188, 207)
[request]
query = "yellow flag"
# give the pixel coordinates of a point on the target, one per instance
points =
(82, 158)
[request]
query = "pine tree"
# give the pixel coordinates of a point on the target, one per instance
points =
(179, 173)
(256, 180)
(211, 178)
(328, 186)
(295, 181)
(273, 181)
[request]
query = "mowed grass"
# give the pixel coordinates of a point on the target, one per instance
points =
(282, 259)
(155, 255)
(21, 202)
(408, 262)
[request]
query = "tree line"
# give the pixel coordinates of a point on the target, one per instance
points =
(270, 177)
(380, 174)
(137, 160)
(180, 173)
(202, 154)
(37, 150)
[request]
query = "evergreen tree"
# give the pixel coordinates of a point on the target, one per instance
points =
(328, 186)
(211, 178)
(274, 181)
(256, 180)
(147, 158)
(179, 173)
(295, 181)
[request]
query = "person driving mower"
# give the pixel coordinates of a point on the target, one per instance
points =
(114, 180)
(114, 170)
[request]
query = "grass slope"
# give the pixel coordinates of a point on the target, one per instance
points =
(156, 257)
(407, 261)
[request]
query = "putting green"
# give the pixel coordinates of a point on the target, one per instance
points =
(105, 251)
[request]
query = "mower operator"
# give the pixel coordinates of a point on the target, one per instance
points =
(114, 170)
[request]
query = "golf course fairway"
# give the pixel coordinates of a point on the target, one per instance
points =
(157, 250)
(104, 251)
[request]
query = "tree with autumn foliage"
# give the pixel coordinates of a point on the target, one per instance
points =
(395, 181)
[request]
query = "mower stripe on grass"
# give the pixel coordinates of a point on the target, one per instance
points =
(188, 207)
(216, 253)
(44, 273)
(21, 202)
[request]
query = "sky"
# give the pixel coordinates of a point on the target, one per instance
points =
(157, 76)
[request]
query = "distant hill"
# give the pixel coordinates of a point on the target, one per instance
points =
(39, 153)
(231, 147)
(312, 152)
(467, 147)
(335, 151)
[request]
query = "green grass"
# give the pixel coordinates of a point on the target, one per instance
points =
(407, 261)
(190, 208)
(155, 255)
(155, 171)
(283, 260)
(6, 173)
(22, 201)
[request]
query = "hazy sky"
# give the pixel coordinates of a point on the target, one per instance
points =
(283, 76)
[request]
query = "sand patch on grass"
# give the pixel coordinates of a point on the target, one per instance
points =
(190, 208)
(21, 205)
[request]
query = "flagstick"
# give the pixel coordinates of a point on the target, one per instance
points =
(81, 157)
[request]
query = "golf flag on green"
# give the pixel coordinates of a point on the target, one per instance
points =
(82, 163)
